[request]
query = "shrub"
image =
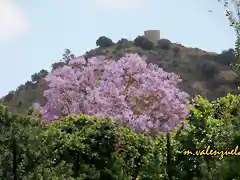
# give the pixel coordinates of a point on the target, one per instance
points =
(58, 65)
(227, 57)
(100, 149)
(176, 50)
(209, 69)
(123, 44)
(143, 42)
(228, 75)
(104, 42)
(123, 41)
(8, 97)
(38, 76)
(164, 44)
(227, 108)
(205, 127)
(117, 55)
(175, 63)
(21, 149)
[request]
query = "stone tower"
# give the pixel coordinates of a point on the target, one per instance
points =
(153, 36)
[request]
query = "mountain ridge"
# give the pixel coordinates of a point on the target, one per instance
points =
(205, 73)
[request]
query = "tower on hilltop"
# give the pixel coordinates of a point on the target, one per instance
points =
(153, 36)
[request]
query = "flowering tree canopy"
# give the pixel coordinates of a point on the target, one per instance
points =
(141, 96)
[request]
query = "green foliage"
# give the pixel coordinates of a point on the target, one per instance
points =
(104, 42)
(232, 13)
(20, 145)
(99, 149)
(73, 148)
(164, 44)
(143, 42)
(123, 41)
(227, 57)
(214, 124)
(58, 64)
(204, 129)
(29, 85)
(67, 55)
(8, 97)
(38, 76)
(81, 147)
(23, 154)
(176, 50)
(209, 69)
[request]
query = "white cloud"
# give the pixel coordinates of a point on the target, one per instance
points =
(13, 21)
(118, 4)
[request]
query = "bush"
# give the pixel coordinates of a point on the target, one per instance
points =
(104, 42)
(99, 149)
(8, 97)
(175, 63)
(164, 44)
(36, 77)
(57, 65)
(206, 126)
(143, 42)
(227, 57)
(123, 44)
(21, 149)
(123, 41)
(209, 69)
(176, 50)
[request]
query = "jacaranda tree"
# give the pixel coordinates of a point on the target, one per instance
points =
(139, 95)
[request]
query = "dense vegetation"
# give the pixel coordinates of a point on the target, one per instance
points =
(82, 147)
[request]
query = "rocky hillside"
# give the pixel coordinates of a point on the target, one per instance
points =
(204, 73)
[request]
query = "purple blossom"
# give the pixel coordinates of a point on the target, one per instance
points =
(36, 106)
(142, 96)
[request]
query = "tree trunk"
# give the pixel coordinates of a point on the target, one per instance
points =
(14, 152)
(169, 157)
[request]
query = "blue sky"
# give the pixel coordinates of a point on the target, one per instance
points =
(34, 34)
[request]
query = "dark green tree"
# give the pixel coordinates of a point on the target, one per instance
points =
(143, 42)
(104, 41)
(123, 41)
(164, 44)
(227, 57)
(20, 147)
(67, 55)
(101, 149)
(37, 76)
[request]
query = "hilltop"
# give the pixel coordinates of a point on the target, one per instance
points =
(205, 73)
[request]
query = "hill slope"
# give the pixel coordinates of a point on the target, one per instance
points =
(203, 73)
